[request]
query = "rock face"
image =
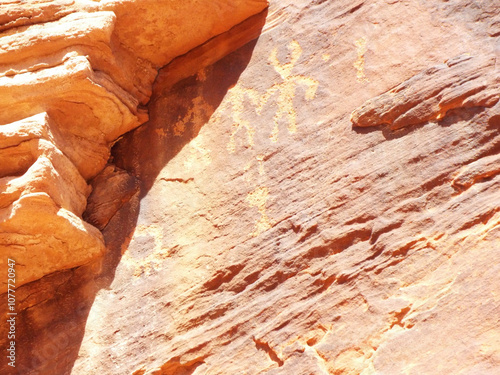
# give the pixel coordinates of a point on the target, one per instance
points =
(462, 82)
(322, 200)
(74, 77)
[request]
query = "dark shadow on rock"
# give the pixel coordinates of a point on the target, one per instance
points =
(176, 117)
(387, 131)
(53, 311)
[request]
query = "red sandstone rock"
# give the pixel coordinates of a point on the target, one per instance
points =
(462, 82)
(111, 189)
(73, 78)
(270, 235)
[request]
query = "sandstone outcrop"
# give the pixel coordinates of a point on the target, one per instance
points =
(461, 82)
(74, 77)
(322, 200)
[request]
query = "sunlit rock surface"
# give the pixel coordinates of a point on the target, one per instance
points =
(323, 200)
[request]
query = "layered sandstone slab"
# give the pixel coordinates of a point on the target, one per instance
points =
(174, 28)
(45, 238)
(42, 198)
(270, 235)
(74, 77)
(462, 82)
(274, 237)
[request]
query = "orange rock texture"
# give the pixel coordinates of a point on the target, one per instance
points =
(225, 188)
(74, 77)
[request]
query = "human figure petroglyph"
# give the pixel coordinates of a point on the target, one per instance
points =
(286, 89)
(239, 97)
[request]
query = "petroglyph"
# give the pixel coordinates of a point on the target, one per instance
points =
(236, 100)
(286, 90)
(259, 163)
(244, 105)
(258, 198)
(260, 160)
(197, 115)
(240, 97)
(359, 64)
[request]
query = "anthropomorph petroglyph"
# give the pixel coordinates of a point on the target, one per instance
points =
(236, 100)
(240, 97)
(258, 198)
(286, 89)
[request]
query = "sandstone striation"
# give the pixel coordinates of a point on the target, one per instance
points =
(275, 238)
(74, 77)
(462, 82)
(111, 189)
(322, 199)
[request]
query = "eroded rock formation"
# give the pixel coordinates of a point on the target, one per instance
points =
(74, 77)
(461, 82)
(323, 200)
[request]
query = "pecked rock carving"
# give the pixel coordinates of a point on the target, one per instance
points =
(74, 77)
(231, 251)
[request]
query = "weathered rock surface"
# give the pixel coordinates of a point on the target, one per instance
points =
(273, 237)
(280, 226)
(74, 76)
(111, 189)
(42, 198)
(462, 82)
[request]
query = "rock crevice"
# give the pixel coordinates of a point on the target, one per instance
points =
(70, 86)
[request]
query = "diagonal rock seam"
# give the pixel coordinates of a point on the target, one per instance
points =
(461, 82)
(55, 141)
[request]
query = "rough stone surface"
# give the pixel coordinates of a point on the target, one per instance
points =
(462, 82)
(111, 189)
(74, 76)
(324, 200)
